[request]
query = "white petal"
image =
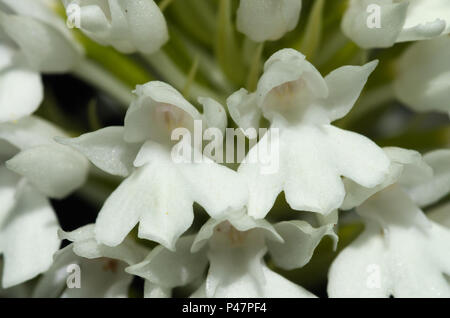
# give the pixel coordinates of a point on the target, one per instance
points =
(263, 187)
(28, 238)
(279, 287)
(169, 269)
(359, 270)
(345, 85)
(21, 93)
(42, 11)
(355, 23)
(240, 221)
(426, 19)
(29, 132)
(357, 157)
(263, 20)
(244, 110)
(275, 286)
(304, 150)
(9, 182)
(300, 241)
(213, 113)
(401, 250)
(55, 170)
(215, 187)
(106, 149)
(153, 195)
(147, 26)
(100, 278)
(53, 281)
(418, 262)
(46, 48)
(85, 245)
(426, 86)
(7, 54)
(23, 290)
(393, 208)
(239, 271)
(403, 162)
(430, 189)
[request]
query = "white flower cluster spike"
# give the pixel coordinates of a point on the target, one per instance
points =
(200, 225)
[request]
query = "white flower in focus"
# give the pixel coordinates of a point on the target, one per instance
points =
(41, 168)
(158, 193)
(234, 247)
(33, 40)
(313, 154)
(263, 20)
(382, 23)
(128, 26)
(423, 76)
(401, 252)
(102, 268)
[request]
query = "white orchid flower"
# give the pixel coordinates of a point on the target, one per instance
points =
(128, 26)
(33, 40)
(40, 169)
(382, 23)
(101, 268)
(401, 252)
(313, 154)
(234, 247)
(426, 86)
(158, 192)
(263, 20)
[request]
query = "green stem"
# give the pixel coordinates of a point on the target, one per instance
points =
(334, 42)
(190, 78)
(313, 32)
(119, 65)
(209, 67)
(169, 71)
(255, 68)
(227, 51)
(95, 75)
(94, 121)
(185, 15)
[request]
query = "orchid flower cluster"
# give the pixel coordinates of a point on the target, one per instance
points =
(351, 97)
